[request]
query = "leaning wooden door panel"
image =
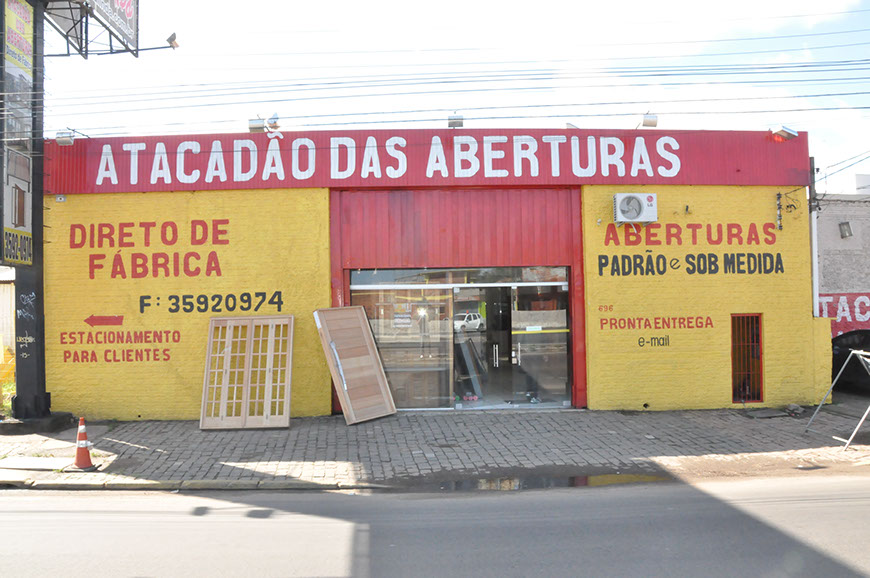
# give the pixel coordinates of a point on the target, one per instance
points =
(354, 363)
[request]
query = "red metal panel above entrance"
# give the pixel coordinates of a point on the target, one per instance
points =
(456, 228)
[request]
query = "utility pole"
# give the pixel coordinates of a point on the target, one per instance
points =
(31, 399)
(23, 62)
(814, 236)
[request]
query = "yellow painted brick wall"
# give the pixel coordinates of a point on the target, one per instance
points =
(692, 368)
(277, 241)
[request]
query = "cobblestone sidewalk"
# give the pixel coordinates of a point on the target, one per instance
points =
(324, 452)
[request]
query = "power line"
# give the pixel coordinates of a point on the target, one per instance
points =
(442, 81)
(592, 115)
(490, 63)
(392, 80)
(535, 80)
(846, 160)
(513, 62)
(159, 89)
(555, 105)
(322, 97)
(784, 16)
(595, 45)
(566, 115)
(859, 161)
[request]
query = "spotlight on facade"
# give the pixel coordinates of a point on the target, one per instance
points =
(845, 230)
(272, 123)
(649, 120)
(65, 138)
(256, 125)
(454, 121)
(784, 133)
(171, 41)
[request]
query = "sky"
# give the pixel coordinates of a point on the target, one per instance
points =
(740, 65)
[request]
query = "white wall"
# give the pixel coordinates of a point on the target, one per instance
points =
(844, 264)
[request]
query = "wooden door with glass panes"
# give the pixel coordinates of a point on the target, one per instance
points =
(247, 373)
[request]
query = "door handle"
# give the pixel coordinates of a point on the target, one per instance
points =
(495, 354)
(338, 363)
(519, 353)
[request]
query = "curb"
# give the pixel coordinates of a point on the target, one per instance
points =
(60, 485)
(144, 485)
(365, 486)
(219, 485)
(189, 485)
(16, 483)
(294, 485)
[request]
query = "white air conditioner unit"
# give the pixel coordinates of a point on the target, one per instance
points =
(635, 208)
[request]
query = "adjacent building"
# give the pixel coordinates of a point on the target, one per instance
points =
(844, 279)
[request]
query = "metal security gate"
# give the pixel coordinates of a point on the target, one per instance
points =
(247, 373)
(746, 359)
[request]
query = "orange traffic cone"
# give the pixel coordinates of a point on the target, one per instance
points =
(83, 449)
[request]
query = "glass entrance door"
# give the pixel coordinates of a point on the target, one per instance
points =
(511, 346)
(475, 338)
(539, 348)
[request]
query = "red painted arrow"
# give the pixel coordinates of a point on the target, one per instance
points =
(105, 320)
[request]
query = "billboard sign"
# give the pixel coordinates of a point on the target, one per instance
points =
(18, 134)
(121, 17)
(70, 19)
(17, 210)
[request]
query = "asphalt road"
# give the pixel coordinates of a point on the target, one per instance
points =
(813, 526)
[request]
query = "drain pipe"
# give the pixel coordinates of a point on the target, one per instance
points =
(814, 237)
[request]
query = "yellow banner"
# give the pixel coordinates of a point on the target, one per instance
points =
(19, 35)
(17, 247)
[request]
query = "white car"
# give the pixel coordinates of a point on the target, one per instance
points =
(468, 322)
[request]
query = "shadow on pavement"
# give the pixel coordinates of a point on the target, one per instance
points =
(575, 528)
(670, 529)
(433, 446)
(660, 530)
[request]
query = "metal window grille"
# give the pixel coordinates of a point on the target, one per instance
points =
(747, 368)
(247, 375)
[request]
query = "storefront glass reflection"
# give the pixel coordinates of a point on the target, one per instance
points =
(414, 333)
(484, 339)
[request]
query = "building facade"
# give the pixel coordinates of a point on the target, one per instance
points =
(640, 270)
(844, 281)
